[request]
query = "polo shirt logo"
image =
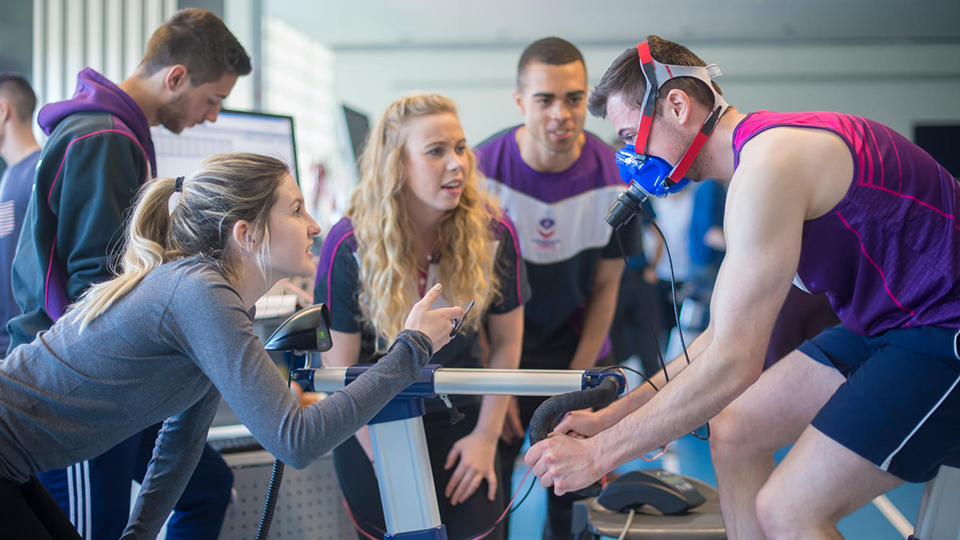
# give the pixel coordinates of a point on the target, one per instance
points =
(545, 228)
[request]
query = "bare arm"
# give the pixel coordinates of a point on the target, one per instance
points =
(599, 312)
(345, 351)
(506, 341)
(767, 207)
(589, 423)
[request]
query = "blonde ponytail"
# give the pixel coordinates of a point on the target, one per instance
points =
(225, 189)
(145, 250)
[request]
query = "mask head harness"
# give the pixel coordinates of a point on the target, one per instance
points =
(650, 175)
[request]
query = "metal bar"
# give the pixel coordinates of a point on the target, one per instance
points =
(938, 518)
(510, 382)
(404, 476)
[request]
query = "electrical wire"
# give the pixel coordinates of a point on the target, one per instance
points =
(636, 290)
(628, 368)
(357, 525)
(626, 526)
(509, 510)
(630, 409)
(673, 286)
(676, 309)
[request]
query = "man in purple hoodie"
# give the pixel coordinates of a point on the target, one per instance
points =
(98, 154)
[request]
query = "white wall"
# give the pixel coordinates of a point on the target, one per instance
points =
(898, 84)
(301, 85)
(109, 36)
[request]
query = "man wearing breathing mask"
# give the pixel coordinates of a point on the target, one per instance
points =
(830, 203)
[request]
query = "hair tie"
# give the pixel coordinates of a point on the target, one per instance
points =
(174, 199)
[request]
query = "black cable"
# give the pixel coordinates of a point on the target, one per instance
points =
(673, 287)
(509, 513)
(636, 290)
(273, 490)
(270, 503)
(525, 495)
(642, 376)
(676, 309)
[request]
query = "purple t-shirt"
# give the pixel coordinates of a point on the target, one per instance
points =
(888, 255)
(338, 285)
(560, 225)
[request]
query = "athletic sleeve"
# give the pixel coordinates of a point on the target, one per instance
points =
(99, 181)
(338, 284)
(175, 455)
(207, 320)
(511, 270)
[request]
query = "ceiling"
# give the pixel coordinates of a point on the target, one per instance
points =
(378, 24)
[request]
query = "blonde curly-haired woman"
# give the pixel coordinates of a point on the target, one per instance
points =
(420, 216)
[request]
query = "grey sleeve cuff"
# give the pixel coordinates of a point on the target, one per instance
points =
(418, 342)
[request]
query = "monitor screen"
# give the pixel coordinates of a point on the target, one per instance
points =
(234, 131)
(357, 127)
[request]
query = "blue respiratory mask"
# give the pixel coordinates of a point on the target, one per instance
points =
(649, 175)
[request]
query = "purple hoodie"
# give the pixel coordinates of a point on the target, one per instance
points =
(98, 155)
(96, 93)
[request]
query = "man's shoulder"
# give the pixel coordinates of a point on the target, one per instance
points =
(493, 153)
(340, 234)
(496, 140)
(23, 169)
(100, 135)
(339, 239)
(92, 128)
(80, 124)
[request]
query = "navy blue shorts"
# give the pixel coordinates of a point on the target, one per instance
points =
(900, 405)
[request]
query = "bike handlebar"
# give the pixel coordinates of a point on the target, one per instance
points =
(542, 421)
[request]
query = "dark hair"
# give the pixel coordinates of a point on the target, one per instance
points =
(551, 51)
(197, 39)
(625, 77)
(15, 89)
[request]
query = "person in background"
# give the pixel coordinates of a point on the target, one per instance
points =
(420, 216)
(707, 244)
(556, 182)
(19, 149)
(98, 154)
(635, 331)
(674, 270)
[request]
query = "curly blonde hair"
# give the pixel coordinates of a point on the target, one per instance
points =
(386, 235)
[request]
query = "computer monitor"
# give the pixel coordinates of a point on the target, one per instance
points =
(357, 125)
(234, 131)
(352, 128)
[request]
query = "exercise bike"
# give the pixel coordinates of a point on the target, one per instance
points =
(402, 460)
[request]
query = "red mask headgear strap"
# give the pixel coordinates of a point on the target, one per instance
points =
(656, 74)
